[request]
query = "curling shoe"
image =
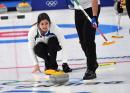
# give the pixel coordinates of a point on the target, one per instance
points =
(66, 68)
(89, 75)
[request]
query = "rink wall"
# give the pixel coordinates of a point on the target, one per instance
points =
(47, 4)
(60, 4)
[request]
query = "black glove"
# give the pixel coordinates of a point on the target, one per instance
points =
(119, 8)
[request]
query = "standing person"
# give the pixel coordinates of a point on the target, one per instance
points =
(45, 40)
(86, 31)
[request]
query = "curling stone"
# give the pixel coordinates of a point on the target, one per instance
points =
(24, 7)
(59, 78)
(23, 4)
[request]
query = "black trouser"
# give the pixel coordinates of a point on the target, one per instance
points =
(48, 52)
(86, 35)
(128, 7)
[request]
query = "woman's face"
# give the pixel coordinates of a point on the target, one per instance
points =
(44, 25)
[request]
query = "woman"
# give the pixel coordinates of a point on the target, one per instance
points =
(45, 40)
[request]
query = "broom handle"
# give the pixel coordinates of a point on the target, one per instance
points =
(101, 34)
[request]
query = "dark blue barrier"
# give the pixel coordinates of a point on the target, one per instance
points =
(59, 4)
(107, 2)
(48, 4)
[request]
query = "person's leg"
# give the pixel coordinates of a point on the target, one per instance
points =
(53, 47)
(79, 21)
(87, 40)
(89, 35)
(41, 51)
(90, 46)
(87, 46)
(128, 7)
